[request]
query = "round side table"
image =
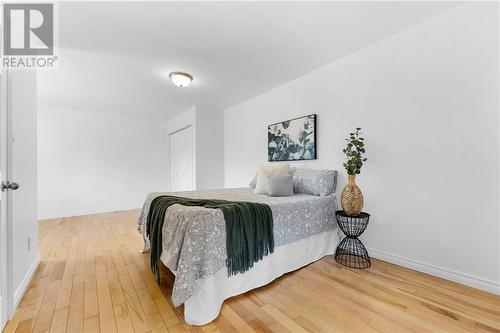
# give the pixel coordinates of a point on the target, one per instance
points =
(351, 252)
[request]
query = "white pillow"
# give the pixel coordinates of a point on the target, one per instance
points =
(264, 172)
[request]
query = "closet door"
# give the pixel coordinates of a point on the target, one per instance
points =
(181, 160)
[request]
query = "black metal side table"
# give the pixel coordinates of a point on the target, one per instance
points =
(351, 252)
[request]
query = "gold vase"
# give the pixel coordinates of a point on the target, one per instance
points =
(352, 198)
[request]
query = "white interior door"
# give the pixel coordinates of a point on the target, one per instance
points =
(4, 312)
(181, 147)
(18, 203)
(22, 196)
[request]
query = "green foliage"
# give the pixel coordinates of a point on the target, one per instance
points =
(354, 152)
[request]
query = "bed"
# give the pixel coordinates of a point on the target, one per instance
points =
(194, 246)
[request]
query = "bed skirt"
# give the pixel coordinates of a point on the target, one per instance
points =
(204, 306)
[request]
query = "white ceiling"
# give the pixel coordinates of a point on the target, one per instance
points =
(115, 56)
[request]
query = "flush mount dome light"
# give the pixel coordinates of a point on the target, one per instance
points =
(180, 79)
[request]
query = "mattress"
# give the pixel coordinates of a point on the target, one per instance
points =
(194, 238)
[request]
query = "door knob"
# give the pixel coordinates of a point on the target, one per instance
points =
(9, 186)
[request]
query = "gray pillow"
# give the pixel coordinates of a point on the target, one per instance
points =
(314, 182)
(281, 186)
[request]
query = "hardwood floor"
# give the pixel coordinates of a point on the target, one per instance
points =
(92, 278)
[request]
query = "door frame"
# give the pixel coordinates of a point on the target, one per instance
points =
(193, 158)
(169, 163)
(6, 263)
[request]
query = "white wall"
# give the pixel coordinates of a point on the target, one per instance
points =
(427, 99)
(24, 171)
(92, 162)
(210, 148)
(208, 128)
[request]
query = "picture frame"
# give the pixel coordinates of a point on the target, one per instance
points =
(293, 140)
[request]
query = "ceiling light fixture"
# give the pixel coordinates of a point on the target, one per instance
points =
(180, 79)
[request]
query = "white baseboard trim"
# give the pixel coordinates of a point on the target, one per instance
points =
(58, 215)
(445, 273)
(26, 281)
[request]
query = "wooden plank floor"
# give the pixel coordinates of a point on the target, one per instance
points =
(92, 278)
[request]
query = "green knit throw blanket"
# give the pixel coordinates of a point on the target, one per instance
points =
(249, 230)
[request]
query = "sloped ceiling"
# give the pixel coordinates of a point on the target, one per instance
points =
(115, 56)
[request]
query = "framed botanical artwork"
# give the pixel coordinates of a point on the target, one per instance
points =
(292, 140)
